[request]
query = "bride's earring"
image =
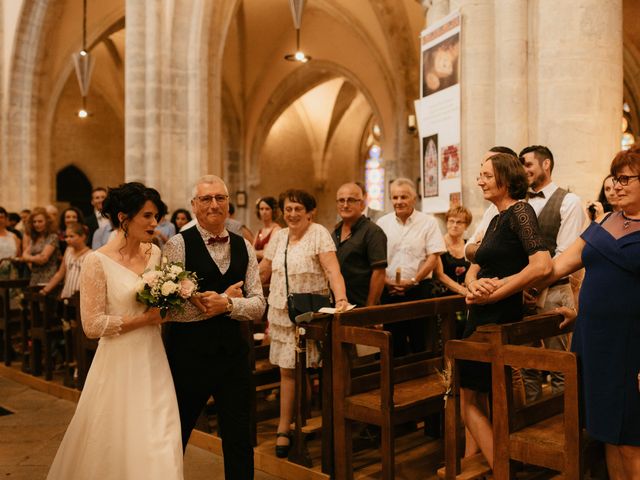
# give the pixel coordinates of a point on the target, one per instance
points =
(125, 228)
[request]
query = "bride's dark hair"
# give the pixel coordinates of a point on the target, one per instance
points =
(129, 198)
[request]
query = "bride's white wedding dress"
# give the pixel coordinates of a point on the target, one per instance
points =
(126, 425)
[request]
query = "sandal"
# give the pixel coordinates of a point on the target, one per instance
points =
(282, 451)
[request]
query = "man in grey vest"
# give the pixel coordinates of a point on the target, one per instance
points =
(561, 219)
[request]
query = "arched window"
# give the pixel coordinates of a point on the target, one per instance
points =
(374, 166)
(374, 177)
(73, 186)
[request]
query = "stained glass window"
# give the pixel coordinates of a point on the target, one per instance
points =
(374, 177)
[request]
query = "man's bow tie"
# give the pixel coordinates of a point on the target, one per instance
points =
(213, 240)
(531, 194)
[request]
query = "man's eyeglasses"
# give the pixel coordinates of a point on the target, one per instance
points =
(207, 199)
(623, 179)
(348, 201)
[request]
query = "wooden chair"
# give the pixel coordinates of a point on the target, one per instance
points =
(403, 389)
(546, 433)
(10, 318)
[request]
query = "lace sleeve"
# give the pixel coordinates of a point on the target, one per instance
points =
(525, 224)
(93, 300)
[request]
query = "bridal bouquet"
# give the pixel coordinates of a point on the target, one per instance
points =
(167, 287)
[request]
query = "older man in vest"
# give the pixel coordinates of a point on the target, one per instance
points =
(561, 219)
(206, 351)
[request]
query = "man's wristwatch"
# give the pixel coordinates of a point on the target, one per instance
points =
(229, 303)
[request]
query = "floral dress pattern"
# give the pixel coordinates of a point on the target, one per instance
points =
(43, 273)
(305, 276)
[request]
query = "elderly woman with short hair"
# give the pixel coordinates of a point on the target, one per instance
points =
(310, 256)
(451, 268)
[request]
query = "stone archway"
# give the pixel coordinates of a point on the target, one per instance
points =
(292, 87)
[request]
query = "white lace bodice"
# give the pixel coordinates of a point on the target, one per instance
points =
(108, 293)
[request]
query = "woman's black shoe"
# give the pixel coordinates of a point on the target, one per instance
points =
(282, 451)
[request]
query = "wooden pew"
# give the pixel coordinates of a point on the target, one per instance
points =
(403, 389)
(264, 375)
(84, 347)
(546, 433)
(316, 328)
(10, 318)
(44, 327)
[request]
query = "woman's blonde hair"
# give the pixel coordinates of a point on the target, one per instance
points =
(50, 226)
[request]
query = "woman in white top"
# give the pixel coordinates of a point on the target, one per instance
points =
(310, 261)
(126, 425)
(9, 245)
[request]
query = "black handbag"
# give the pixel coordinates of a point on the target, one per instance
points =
(299, 303)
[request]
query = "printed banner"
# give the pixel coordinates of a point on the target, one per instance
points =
(438, 114)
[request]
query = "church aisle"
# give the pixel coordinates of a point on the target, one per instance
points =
(33, 423)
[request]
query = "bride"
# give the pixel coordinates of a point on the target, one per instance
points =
(126, 425)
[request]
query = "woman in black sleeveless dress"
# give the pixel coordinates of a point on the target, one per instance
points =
(451, 268)
(512, 247)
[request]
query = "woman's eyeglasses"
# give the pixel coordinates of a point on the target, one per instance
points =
(623, 179)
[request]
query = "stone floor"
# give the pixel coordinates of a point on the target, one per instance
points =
(29, 437)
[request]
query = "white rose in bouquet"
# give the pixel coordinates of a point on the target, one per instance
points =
(168, 288)
(176, 269)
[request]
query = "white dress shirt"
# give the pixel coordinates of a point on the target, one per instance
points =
(101, 219)
(410, 243)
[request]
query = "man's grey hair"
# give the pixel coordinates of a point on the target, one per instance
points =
(403, 181)
(208, 179)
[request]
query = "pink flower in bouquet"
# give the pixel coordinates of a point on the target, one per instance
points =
(187, 287)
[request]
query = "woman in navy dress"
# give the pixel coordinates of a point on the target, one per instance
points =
(607, 333)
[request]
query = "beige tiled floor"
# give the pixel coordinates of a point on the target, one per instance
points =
(29, 437)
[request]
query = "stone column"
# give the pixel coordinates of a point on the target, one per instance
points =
(477, 90)
(166, 95)
(510, 100)
(575, 87)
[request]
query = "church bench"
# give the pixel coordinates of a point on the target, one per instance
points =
(315, 327)
(400, 389)
(84, 348)
(44, 328)
(546, 433)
